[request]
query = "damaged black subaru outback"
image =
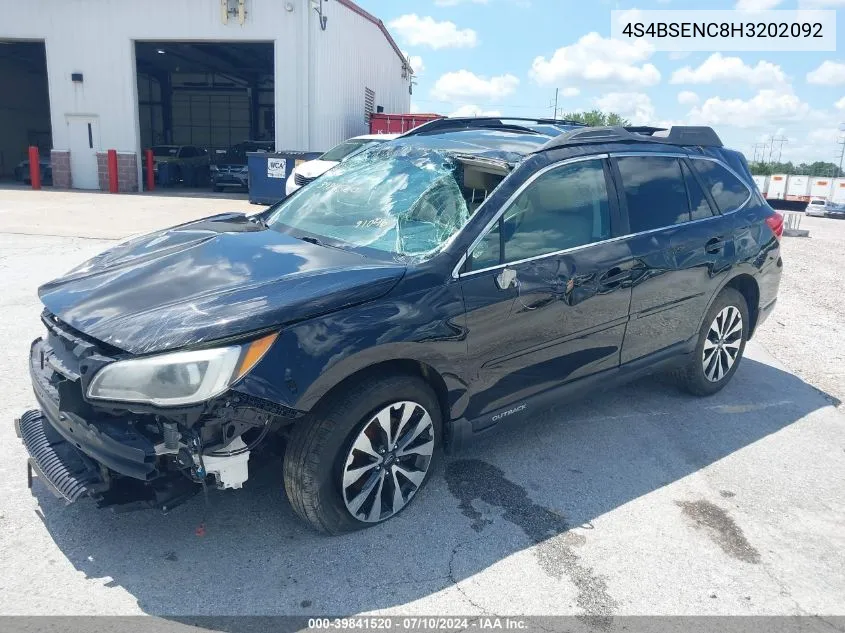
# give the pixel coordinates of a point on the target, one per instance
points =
(413, 298)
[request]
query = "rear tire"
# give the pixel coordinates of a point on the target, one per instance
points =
(329, 467)
(721, 343)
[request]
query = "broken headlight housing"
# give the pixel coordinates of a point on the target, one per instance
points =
(177, 378)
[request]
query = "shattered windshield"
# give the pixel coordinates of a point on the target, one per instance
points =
(395, 198)
(339, 152)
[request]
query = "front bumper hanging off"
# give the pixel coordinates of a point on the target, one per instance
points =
(67, 471)
(71, 475)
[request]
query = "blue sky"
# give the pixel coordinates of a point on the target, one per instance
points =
(508, 56)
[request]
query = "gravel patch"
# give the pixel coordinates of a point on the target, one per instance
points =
(806, 332)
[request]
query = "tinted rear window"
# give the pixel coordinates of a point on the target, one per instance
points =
(699, 207)
(727, 190)
(655, 192)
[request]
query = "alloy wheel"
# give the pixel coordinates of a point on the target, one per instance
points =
(388, 461)
(721, 347)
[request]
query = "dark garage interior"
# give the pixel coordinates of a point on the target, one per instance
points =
(24, 107)
(210, 96)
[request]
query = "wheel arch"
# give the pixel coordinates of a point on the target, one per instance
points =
(389, 367)
(747, 286)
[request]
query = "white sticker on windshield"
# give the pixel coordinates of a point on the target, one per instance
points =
(276, 167)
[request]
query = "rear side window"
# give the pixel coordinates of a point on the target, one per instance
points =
(655, 192)
(699, 207)
(727, 190)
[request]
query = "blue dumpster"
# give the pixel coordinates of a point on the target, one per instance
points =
(268, 173)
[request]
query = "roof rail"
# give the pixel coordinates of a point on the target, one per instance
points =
(684, 135)
(481, 122)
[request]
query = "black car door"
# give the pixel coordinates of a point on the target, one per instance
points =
(683, 249)
(545, 288)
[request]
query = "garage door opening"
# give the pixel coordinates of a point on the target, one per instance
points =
(24, 109)
(201, 106)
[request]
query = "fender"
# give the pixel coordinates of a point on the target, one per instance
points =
(311, 357)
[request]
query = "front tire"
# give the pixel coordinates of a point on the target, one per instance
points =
(721, 343)
(363, 455)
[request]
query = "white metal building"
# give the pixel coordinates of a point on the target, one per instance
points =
(127, 74)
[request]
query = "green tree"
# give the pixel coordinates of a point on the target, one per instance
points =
(597, 118)
(819, 168)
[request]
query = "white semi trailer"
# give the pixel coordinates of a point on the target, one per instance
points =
(798, 189)
(821, 187)
(777, 187)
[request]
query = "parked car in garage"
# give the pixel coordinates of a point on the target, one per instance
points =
(816, 207)
(231, 171)
(418, 296)
(22, 172)
(186, 163)
(306, 172)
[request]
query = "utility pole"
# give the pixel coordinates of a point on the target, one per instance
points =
(842, 153)
(780, 140)
(761, 146)
(554, 116)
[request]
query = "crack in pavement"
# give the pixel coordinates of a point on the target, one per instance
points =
(472, 480)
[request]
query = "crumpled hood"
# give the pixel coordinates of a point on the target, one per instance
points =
(210, 279)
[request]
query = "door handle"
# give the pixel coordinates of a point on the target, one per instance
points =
(714, 246)
(614, 277)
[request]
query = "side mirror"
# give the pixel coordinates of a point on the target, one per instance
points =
(506, 278)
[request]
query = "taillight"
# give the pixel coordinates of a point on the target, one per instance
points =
(775, 222)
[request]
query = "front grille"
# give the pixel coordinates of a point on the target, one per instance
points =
(66, 471)
(301, 180)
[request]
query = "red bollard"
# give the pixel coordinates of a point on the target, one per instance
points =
(151, 178)
(34, 167)
(112, 171)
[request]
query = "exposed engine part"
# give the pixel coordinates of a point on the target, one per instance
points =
(232, 451)
(171, 436)
(231, 471)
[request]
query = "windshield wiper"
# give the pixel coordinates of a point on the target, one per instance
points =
(257, 219)
(315, 241)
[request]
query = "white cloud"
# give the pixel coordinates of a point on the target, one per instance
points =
(414, 108)
(572, 91)
(718, 68)
(635, 106)
(764, 109)
(840, 105)
(452, 3)
(757, 5)
(426, 31)
(464, 85)
(474, 110)
(687, 97)
(415, 61)
(830, 73)
(822, 135)
(596, 59)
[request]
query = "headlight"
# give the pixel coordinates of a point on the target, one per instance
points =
(213, 168)
(178, 378)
